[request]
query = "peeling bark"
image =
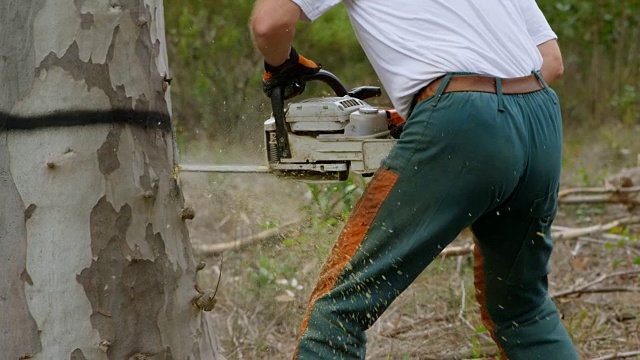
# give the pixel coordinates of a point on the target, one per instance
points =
(71, 63)
(77, 355)
(96, 255)
(127, 292)
(108, 152)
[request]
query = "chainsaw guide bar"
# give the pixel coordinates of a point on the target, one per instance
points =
(256, 169)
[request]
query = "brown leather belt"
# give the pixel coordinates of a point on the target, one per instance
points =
(479, 83)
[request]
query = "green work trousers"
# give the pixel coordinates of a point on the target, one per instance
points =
(465, 159)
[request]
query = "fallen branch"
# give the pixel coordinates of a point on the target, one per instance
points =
(605, 290)
(598, 195)
(587, 239)
(270, 234)
(564, 234)
(559, 228)
(576, 289)
(574, 233)
(452, 251)
(623, 190)
(619, 355)
(449, 251)
(599, 199)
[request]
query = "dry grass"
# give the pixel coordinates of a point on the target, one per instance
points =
(265, 288)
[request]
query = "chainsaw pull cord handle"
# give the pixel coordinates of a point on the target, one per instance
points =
(282, 137)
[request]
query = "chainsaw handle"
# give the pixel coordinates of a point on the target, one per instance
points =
(328, 78)
(362, 92)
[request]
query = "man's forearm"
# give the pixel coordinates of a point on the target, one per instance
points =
(552, 65)
(273, 25)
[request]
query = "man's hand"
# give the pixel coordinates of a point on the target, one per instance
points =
(288, 75)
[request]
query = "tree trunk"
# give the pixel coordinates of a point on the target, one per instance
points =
(95, 256)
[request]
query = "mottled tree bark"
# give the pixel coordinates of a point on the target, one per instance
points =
(95, 256)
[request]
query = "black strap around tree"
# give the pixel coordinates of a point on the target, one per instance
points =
(146, 119)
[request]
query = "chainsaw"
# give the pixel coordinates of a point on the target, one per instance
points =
(322, 139)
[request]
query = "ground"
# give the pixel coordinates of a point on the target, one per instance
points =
(265, 287)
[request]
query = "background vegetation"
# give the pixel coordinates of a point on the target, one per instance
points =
(219, 109)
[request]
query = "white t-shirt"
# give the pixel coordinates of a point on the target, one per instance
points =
(412, 42)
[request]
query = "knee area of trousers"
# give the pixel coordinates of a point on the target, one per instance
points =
(543, 337)
(542, 321)
(514, 304)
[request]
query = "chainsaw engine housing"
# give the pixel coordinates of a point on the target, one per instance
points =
(329, 137)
